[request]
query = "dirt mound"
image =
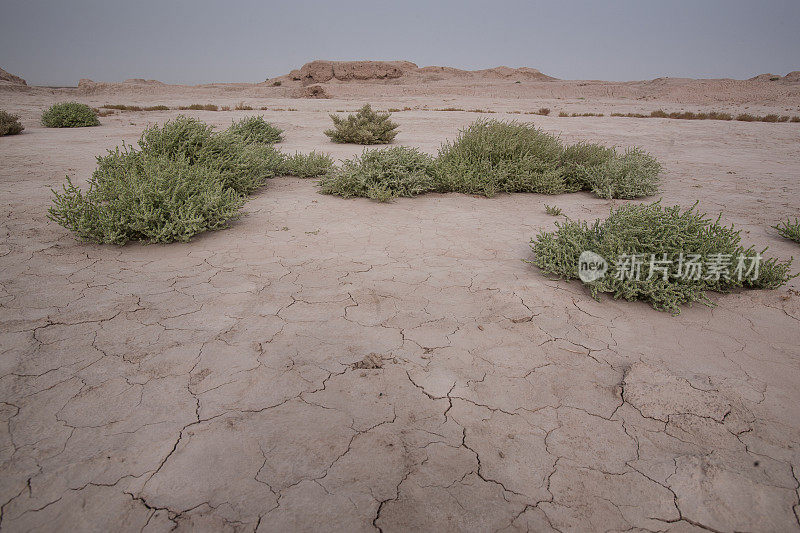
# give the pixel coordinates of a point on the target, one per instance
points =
(765, 77)
(10, 78)
(313, 91)
(504, 72)
(792, 76)
(322, 71)
(142, 81)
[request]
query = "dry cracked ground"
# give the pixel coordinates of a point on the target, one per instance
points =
(347, 365)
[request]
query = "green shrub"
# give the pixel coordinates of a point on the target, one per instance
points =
(9, 124)
(634, 174)
(365, 127)
(382, 175)
(183, 180)
(256, 129)
(309, 165)
(553, 210)
(664, 232)
(492, 157)
(69, 115)
(790, 230)
(200, 107)
(578, 159)
(146, 197)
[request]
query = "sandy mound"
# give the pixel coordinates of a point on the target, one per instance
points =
(792, 76)
(10, 78)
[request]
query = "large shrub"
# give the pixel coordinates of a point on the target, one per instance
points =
(146, 197)
(9, 124)
(69, 115)
(673, 239)
(382, 175)
(365, 127)
(184, 179)
(492, 157)
(256, 129)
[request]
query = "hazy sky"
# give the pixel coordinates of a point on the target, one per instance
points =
(58, 42)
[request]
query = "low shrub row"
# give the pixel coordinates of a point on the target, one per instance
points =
(492, 157)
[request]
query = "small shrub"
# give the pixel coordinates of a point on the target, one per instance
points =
(276, 83)
(365, 127)
(746, 117)
(241, 106)
(543, 111)
(10, 124)
(770, 118)
(563, 114)
(552, 210)
(634, 174)
(69, 115)
(789, 230)
(309, 165)
(578, 159)
(256, 129)
(795, 119)
(382, 175)
(664, 233)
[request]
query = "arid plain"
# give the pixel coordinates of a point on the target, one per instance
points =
(350, 365)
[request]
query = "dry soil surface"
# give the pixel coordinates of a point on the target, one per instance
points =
(348, 365)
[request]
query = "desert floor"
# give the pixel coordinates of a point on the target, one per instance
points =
(216, 385)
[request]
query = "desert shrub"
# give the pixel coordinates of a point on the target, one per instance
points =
(69, 115)
(563, 114)
(184, 179)
(365, 127)
(309, 165)
(276, 83)
(9, 124)
(146, 197)
(578, 159)
(382, 175)
(663, 233)
(543, 111)
(492, 157)
(789, 229)
(200, 107)
(634, 174)
(746, 117)
(123, 107)
(256, 129)
(553, 210)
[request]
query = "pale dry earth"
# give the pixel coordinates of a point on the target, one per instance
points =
(216, 385)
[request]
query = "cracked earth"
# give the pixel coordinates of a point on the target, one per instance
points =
(347, 365)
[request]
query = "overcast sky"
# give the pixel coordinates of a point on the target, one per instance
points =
(58, 42)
